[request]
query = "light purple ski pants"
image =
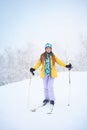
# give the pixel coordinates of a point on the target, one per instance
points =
(48, 88)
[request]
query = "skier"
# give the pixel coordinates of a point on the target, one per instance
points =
(48, 72)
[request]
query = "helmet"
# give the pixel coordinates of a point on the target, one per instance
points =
(48, 45)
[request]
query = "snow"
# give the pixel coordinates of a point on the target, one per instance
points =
(18, 98)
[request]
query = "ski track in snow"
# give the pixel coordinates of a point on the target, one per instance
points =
(17, 99)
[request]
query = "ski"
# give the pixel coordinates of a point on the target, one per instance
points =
(38, 107)
(35, 109)
(50, 110)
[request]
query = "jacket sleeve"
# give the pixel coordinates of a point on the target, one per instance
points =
(37, 65)
(58, 61)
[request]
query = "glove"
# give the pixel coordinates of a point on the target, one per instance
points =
(32, 70)
(69, 66)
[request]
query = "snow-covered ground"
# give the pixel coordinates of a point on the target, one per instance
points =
(17, 99)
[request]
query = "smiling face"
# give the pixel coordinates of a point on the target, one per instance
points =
(48, 49)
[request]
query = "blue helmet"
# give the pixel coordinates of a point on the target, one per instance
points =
(48, 45)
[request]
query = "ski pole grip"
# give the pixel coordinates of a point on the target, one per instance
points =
(32, 70)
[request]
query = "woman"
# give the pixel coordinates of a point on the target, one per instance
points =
(48, 72)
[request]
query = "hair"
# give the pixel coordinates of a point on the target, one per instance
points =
(43, 58)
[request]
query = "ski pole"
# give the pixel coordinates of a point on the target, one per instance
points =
(69, 93)
(28, 93)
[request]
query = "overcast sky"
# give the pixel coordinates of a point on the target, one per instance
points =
(60, 22)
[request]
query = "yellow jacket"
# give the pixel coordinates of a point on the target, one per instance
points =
(53, 68)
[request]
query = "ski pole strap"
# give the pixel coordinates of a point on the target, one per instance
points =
(32, 73)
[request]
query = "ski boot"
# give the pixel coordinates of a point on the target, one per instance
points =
(52, 102)
(45, 102)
